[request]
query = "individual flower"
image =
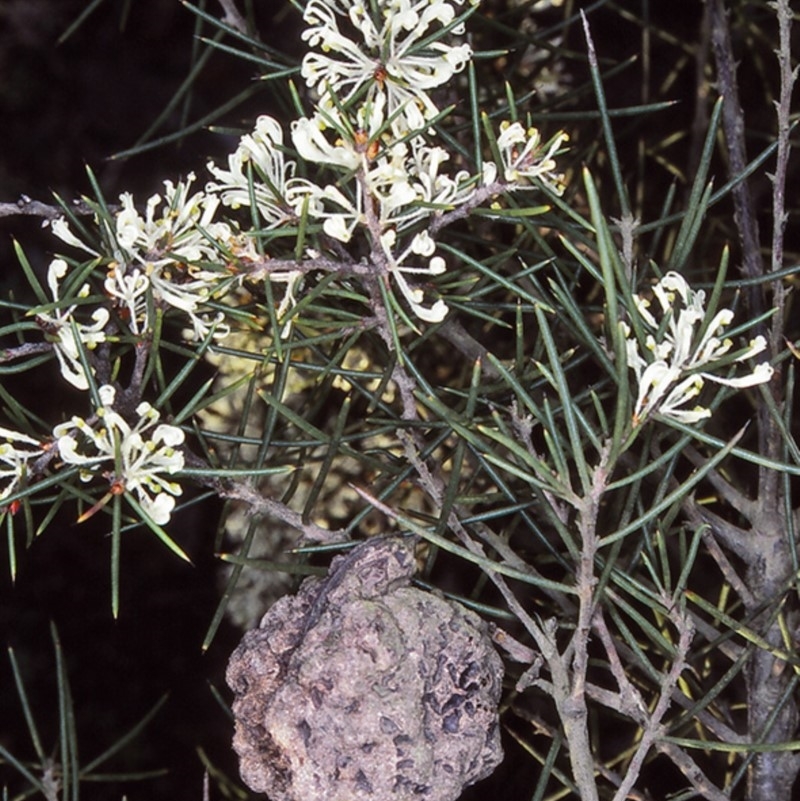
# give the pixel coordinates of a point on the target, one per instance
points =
(682, 349)
(134, 458)
(387, 54)
(347, 139)
(524, 158)
(128, 286)
(431, 187)
(421, 246)
(16, 452)
(277, 193)
(179, 227)
(188, 291)
(68, 335)
(310, 136)
(61, 229)
(347, 214)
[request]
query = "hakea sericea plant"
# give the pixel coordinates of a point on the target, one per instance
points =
(366, 178)
(389, 192)
(682, 350)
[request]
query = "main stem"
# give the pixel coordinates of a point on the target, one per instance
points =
(772, 708)
(573, 709)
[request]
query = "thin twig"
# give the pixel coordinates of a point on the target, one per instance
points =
(479, 197)
(654, 729)
(263, 268)
(736, 499)
(688, 767)
(245, 491)
(788, 78)
(26, 207)
(233, 17)
(26, 349)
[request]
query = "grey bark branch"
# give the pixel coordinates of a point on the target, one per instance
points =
(27, 207)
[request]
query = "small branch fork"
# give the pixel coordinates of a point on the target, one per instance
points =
(233, 17)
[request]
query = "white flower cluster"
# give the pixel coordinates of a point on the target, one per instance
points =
(393, 58)
(153, 259)
(682, 349)
(134, 459)
(396, 185)
(259, 162)
(525, 158)
(373, 66)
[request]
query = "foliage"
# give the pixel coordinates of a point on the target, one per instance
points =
(439, 296)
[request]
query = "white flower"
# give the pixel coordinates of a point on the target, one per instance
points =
(387, 58)
(421, 245)
(661, 387)
(187, 291)
(525, 158)
(66, 332)
(339, 224)
(16, 452)
(128, 286)
(136, 459)
(356, 136)
(61, 229)
(181, 228)
(278, 194)
(308, 136)
(681, 350)
(429, 187)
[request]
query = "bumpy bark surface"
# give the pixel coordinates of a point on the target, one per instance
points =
(362, 687)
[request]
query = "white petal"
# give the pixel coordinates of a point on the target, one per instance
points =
(756, 346)
(67, 449)
(107, 394)
(761, 374)
(16, 436)
(60, 228)
(423, 244)
(159, 508)
(169, 435)
(56, 271)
